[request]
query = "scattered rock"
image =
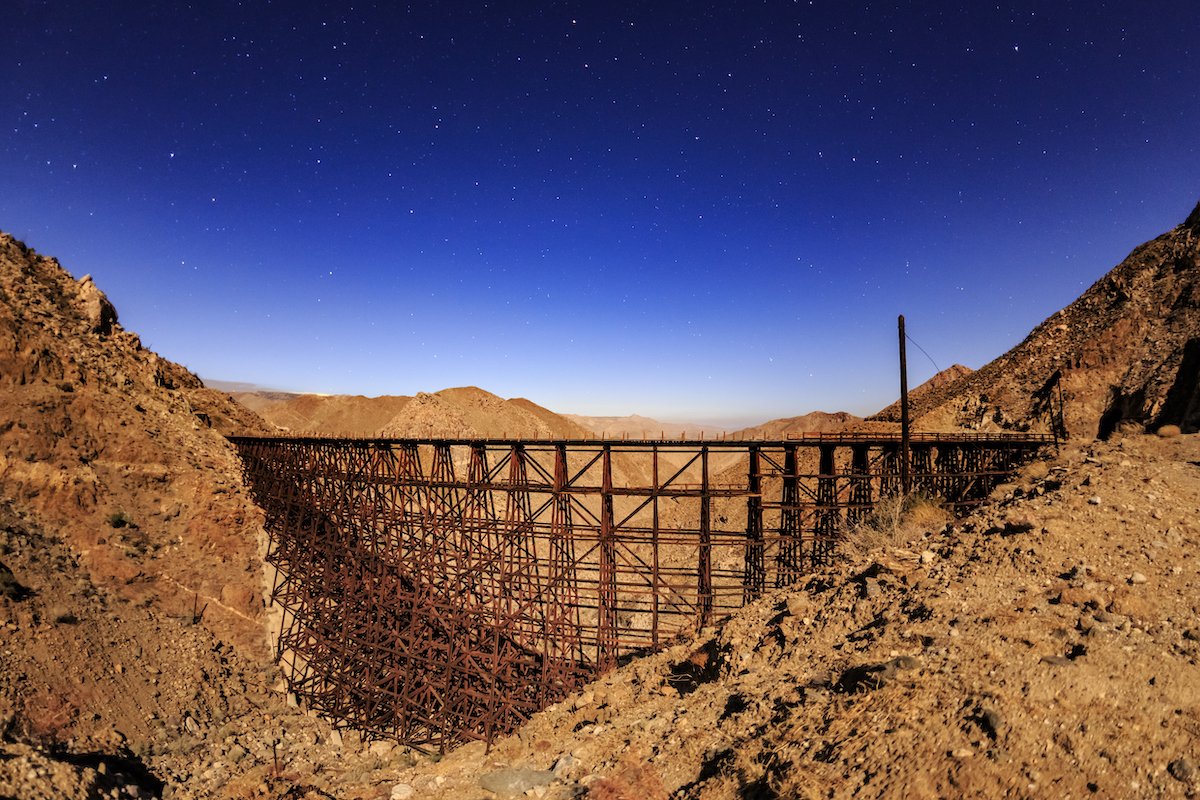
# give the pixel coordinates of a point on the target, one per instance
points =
(866, 677)
(565, 766)
(515, 781)
(989, 721)
(1018, 525)
(1167, 431)
(701, 666)
(798, 604)
(10, 587)
(381, 748)
(1183, 769)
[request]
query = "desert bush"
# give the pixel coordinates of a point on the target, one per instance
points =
(46, 716)
(895, 523)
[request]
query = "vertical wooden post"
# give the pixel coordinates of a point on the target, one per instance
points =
(828, 515)
(753, 580)
(787, 556)
(905, 478)
(654, 568)
(606, 635)
(704, 587)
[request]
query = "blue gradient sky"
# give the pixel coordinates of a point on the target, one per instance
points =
(686, 210)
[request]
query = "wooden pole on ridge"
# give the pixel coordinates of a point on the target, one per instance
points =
(905, 477)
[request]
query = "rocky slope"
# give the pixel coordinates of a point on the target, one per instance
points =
(122, 517)
(1127, 352)
(120, 451)
(928, 389)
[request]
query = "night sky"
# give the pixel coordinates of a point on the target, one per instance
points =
(685, 210)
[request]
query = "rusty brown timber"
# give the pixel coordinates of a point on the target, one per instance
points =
(440, 590)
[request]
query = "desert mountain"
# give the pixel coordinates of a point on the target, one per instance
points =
(813, 422)
(470, 411)
(1127, 352)
(459, 412)
(327, 415)
(463, 411)
(635, 426)
(942, 379)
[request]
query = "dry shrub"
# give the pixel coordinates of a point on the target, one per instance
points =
(1034, 471)
(894, 524)
(46, 716)
(632, 781)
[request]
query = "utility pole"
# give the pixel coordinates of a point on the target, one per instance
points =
(905, 478)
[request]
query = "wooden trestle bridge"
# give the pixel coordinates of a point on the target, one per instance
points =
(441, 590)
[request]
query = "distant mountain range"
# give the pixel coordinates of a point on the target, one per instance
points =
(1127, 352)
(470, 411)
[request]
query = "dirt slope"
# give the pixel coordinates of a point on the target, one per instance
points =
(1126, 352)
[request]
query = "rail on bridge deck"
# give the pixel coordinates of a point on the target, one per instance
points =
(441, 590)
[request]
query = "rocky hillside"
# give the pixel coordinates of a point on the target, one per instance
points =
(460, 412)
(113, 459)
(636, 426)
(1127, 352)
(328, 415)
(470, 411)
(928, 389)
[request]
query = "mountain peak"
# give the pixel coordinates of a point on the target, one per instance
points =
(1125, 354)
